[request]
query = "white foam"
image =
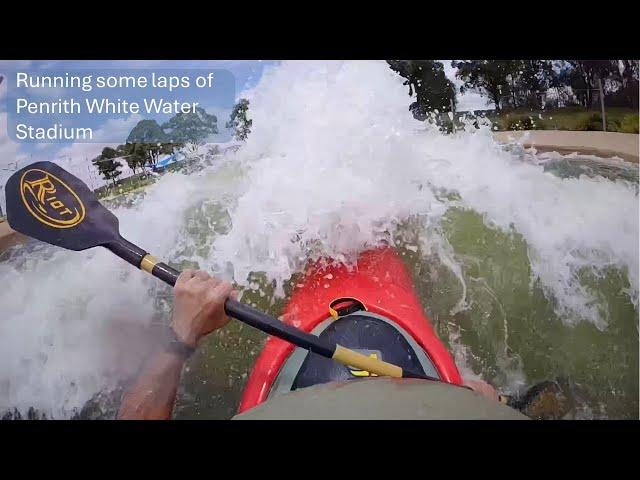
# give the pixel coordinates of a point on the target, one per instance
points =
(334, 161)
(74, 323)
(336, 157)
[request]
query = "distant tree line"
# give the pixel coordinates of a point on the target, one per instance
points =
(527, 83)
(148, 140)
(136, 155)
(520, 83)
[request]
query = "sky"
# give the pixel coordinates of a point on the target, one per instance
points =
(73, 156)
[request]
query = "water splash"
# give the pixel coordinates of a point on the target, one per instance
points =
(335, 163)
(351, 162)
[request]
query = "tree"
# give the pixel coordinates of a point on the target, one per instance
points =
(433, 90)
(147, 131)
(518, 83)
(107, 164)
(533, 78)
(146, 142)
(134, 154)
(583, 76)
(625, 86)
(141, 154)
(494, 78)
(239, 121)
(191, 127)
(109, 153)
(513, 83)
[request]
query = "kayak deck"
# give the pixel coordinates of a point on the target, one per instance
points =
(381, 282)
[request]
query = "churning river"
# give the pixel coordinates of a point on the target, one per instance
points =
(527, 264)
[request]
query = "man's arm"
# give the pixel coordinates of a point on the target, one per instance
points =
(154, 393)
(198, 310)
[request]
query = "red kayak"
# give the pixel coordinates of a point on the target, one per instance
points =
(371, 307)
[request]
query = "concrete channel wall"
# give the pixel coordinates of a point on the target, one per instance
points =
(602, 144)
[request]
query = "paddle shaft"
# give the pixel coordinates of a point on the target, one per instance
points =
(267, 324)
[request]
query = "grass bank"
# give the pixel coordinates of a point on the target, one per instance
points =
(126, 185)
(623, 120)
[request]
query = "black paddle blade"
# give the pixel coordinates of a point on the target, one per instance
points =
(46, 202)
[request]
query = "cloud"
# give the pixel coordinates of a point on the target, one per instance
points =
(9, 155)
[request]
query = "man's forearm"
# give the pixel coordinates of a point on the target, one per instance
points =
(198, 310)
(153, 395)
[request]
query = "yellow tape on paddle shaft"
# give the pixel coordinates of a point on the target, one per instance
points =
(147, 263)
(369, 364)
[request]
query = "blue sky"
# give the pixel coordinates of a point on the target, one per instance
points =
(247, 73)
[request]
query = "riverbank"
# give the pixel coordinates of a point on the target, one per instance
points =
(602, 144)
(619, 119)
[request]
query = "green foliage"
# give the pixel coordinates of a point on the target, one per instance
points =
(182, 128)
(620, 85)
(107, 165)
(133, 155)
(513, 83)
(108, 152)
(629, 123)
(591, 123)
(148, 140)
(191, 127)
(525, 83)
(521, 123)
(486, 76)
(148, 153)
(566, 118)
(146, 131)
(426, 78)
(239, 121)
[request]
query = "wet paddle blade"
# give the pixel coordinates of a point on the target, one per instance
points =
(47, 203)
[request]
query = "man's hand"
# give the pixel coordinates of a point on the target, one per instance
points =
(483, 388)
(198, 306)
(198, 309)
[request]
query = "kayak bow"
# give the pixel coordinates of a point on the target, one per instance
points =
(376, 297)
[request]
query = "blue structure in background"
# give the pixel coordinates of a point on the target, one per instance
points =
(164, 162)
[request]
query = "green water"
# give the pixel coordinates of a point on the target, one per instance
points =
(511, 324)
(509, 329)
